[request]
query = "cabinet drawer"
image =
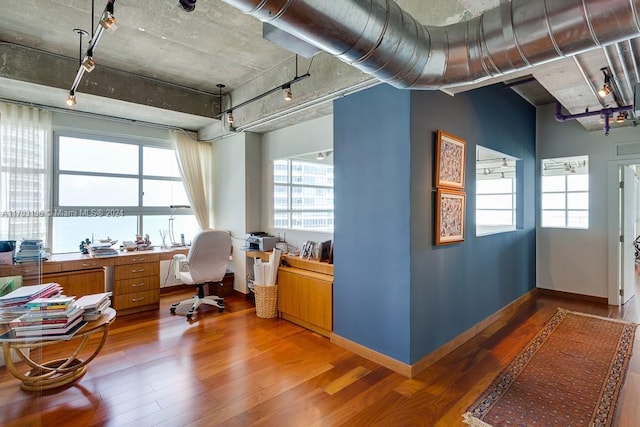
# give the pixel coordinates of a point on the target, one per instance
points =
(137, 259)
(131, 271)
(136, 299)
(84, 264)
(126, 286)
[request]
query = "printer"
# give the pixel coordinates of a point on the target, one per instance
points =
(261, 242)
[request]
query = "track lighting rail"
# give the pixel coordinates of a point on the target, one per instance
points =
(282, 87)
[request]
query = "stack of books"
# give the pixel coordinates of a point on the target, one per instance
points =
(14, 304)
(94, 305)
(53, 317)
(102, 250)
(30, 251)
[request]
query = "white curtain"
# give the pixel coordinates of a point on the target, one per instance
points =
(194, 159)
(25, 172)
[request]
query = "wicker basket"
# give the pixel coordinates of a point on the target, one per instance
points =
(266, 300)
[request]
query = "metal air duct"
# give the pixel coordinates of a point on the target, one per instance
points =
(381, 39)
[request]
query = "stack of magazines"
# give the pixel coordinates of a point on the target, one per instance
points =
(30, 251)
(53, 316)
(102, 250)
(14, 304)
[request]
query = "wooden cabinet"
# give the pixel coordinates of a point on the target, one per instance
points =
(77, 278)
(78, 283)
(305, 294)
(136, 283)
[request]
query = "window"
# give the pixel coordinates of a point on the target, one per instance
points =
(565, 192)
(495, 192)
(116, 189)
(303, 195)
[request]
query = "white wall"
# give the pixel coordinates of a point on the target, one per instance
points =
(236, 206)
(577, 261)
(308, 137)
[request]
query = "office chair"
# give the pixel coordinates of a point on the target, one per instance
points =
(205, 263)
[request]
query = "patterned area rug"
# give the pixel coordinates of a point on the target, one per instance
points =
(570, 374)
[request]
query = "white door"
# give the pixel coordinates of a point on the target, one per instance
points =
(628, 214)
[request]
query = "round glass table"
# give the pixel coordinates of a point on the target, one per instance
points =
(55, 373)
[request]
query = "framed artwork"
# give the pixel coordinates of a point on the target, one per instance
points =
(450, 207)
(450, 156)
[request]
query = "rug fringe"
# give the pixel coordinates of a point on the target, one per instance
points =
(473, 421)
(578, 313)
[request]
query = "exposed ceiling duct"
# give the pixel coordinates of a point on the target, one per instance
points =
(381, 39)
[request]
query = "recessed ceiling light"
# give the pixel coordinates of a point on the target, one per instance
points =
(141, 29)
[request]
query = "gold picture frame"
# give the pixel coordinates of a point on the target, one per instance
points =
(450, 160)
(450, 216)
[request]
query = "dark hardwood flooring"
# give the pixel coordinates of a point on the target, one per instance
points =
(235, 369)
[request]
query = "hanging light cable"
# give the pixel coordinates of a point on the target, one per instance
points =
(87, 64)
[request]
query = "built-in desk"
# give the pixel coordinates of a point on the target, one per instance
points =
(133, 277)
(305, 292)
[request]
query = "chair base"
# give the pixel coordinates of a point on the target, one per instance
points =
(197, 300)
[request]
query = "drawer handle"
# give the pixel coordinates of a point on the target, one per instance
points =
(88, 264)
(138, 271)
(137, 259)
(30, 271)
(137, 285)
(137, 299)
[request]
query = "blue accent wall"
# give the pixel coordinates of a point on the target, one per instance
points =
(372, 193)
(394, 291)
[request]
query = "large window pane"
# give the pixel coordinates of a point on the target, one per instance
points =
(159, 162)
(553, 219)
(494, 201)
(554, 201)
(578, 219)
(553, 183)
(118, 199)
(78, 190)
(578, 182)
(578, 201)
(68, 232)
(158, 225)
(163, 193)
(86, 155)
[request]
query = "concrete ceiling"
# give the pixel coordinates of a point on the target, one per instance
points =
(162, 65)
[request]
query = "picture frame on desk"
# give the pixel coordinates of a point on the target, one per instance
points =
(450, 216)
(450, 161)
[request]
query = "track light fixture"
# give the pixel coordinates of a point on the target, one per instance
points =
(71, 99)
(87, 63)
(320, 156)
(606, 87)
(620, 118)
(188, 5)
(230, 117)
(288, 95)
(108, 21)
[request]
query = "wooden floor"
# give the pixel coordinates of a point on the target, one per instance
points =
(235, 369)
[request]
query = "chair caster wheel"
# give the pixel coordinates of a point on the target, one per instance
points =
(188, 317)
(220, 310)
(172, 310)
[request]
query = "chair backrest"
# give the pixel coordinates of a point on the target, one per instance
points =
(209, 256)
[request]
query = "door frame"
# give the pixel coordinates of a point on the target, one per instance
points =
(613, 219)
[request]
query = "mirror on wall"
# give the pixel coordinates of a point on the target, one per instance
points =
(303, 192)
(495, 191)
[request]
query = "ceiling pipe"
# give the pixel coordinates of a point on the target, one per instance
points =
(605, 113)
(381, 39)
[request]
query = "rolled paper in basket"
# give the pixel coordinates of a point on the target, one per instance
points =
(274, 262)
(259, 272)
